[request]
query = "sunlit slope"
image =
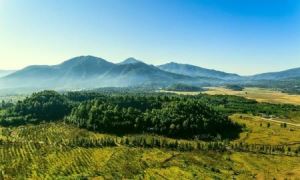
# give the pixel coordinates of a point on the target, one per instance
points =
(259, 94)
(93, 72)
(265, 131)
(42, 151)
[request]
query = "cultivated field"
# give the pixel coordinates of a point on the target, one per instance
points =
(258, 132)
(259, 94)
(268, 148)
(45, 151)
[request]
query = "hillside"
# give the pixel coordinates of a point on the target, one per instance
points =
(87, 144)
(130, 60)
(86, 72)
(47, 151)
(78, 67)
(287, 74)
(71, 73)
(195, 71)
(89, 72)
(5, 72)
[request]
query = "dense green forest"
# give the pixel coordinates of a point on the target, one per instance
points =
(235, 87)
(202, 116)
(183, 87)
(180, 118)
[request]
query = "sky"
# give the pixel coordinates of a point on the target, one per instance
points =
(238, 36)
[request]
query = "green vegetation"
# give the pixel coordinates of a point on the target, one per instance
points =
(100, 134)
(181, 118)
(260, 130)
(46, 106)
(259, 94)
(183, 87)
(60, 151)
(235, 87)
(170, 115)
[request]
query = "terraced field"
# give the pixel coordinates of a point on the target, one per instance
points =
(44, 151)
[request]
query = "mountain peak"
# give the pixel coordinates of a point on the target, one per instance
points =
(82, 59)
(130, 60)
(172, 63)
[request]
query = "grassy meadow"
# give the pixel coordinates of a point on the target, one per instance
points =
(268, 147)
(260, 131)
(259, 94)
(43, 151)
(191, 93)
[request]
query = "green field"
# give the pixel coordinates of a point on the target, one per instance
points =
(91, 137)
(257, 131)
(44, 151)
(259, 94)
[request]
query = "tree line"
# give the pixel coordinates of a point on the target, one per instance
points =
(158, 142)
(200, 117)
(183, 118)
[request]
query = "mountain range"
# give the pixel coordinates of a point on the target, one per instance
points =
(5, 72)
(287, 74)
(195, 71)
(86, 72)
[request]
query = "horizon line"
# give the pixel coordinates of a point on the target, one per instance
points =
(139, 59)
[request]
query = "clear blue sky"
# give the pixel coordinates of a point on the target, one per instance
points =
(241, 36)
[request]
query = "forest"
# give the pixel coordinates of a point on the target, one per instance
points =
(183, 87)
(128, 134)
(191, 117)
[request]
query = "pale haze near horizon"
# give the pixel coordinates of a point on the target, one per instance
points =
(244, 38)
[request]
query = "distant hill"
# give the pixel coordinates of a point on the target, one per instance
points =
(195, 71)
(287, 74)
(130, 60)
(74, 73)
(91, 72)
(80, 68)
(5, 72)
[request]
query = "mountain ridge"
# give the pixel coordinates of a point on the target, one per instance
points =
(195, 71)
(284, 74)
(95, 72)
(6, 72)
(130, 60)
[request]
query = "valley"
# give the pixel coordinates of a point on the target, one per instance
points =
(43, 151)
(62, 144)
(259, 94)
(149, 90)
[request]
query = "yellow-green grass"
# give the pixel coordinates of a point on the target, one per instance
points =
(258, 131)
(266, 166)
(191, 93)
(139, 163)
(50, 159)
(259, 94)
